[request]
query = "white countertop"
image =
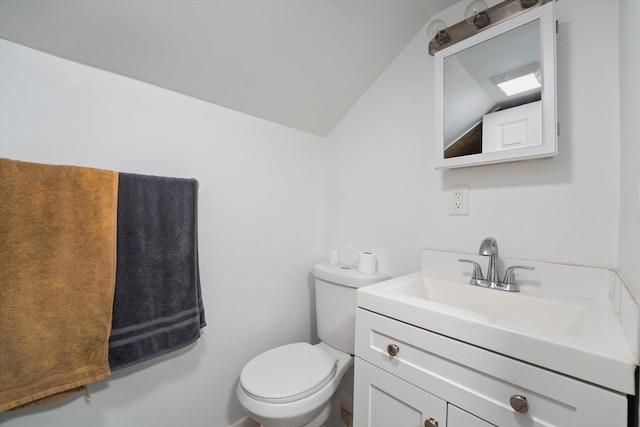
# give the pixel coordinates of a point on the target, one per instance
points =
(576, 335)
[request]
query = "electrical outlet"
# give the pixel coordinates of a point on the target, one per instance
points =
(459, 200)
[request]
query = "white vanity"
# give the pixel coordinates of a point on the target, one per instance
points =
(433, 350)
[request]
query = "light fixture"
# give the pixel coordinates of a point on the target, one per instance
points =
(520, 80)
(437, 31)
(476, 13)
(482, 17)
(527, 3)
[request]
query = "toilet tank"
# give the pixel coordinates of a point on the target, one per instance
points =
(336, 287)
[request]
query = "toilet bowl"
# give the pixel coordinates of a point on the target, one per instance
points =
(293, 385)
(300, 384)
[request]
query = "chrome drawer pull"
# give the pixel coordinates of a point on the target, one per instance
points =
(519, 403)
(393, 350)
(431, 422)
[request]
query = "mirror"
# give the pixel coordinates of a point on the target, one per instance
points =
(485, 115)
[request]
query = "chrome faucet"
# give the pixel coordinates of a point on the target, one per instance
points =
(489, 247)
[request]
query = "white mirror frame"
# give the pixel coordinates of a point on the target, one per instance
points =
(549, 146)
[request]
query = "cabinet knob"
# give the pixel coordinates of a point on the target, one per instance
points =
(393, 350)
(431, 422)
(519, 403)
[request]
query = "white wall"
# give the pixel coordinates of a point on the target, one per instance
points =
(630, 143)
(260, 225)
(629, 237)
(384, 195)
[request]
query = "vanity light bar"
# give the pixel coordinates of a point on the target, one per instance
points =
(496, 14)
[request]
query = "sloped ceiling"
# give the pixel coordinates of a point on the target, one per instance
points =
(300, 63)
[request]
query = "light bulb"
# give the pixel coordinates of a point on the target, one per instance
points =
(437, 31)
(476, 13)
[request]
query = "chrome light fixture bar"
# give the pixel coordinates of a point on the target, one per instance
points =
(494, 15)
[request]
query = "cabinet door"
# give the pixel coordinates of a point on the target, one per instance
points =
(384, 400)
(456, 417)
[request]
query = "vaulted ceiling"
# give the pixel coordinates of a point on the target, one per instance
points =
(300, 63)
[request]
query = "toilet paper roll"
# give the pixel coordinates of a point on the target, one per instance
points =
(368, 263)
(333, 258)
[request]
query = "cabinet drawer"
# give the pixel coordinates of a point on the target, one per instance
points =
(482, 382)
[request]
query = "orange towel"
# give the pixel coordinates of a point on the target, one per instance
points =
(57, 279)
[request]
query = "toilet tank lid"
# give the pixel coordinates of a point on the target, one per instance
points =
(347, 275)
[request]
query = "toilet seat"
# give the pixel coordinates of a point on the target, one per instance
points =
(288, 373)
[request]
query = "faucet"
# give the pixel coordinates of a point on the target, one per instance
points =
(489, 247)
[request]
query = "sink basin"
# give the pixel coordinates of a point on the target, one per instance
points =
(577, 336)
(497, 306)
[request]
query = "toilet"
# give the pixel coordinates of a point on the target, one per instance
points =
(300, 384)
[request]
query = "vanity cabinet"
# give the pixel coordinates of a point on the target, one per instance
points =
(409, 376)
(391, 401)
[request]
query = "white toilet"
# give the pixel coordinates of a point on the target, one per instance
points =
(299, 384)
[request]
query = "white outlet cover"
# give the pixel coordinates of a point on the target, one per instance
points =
(459, 205)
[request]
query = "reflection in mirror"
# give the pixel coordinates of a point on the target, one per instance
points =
(496, 90)
(483, 81)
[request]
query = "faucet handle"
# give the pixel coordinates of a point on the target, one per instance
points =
(509, 275)
(477, 278)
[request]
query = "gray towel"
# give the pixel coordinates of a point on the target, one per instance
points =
(157, 306)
